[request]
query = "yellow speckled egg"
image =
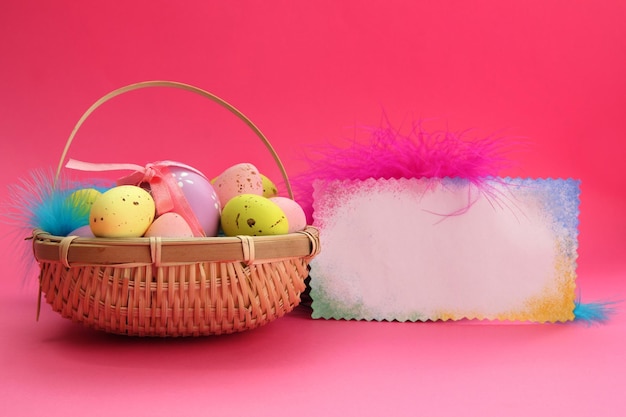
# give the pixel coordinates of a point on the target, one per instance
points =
(123, 211)
(269, 188)
(253, 215)
(83, 199)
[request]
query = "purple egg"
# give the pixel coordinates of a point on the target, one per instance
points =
(201, 198)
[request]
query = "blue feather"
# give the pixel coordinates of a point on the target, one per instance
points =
(592, 313)
(41, 202)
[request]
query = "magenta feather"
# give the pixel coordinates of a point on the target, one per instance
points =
(390, 154)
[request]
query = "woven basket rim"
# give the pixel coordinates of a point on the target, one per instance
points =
(72, 250)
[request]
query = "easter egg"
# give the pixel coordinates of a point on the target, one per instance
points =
(253, 215)
(169, 225)
(201, 197)
(123, 211)
(239, 179)
(293, 211)
(269, 188)
(82, 200)
(83, 231)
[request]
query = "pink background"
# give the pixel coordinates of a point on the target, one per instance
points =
(551, 72)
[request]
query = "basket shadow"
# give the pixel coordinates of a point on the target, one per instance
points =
(275, 344)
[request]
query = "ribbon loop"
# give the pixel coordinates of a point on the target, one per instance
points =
(167, 195)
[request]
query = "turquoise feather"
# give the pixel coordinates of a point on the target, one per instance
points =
(40, 202)
(596, 312)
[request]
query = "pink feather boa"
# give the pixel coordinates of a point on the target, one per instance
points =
(390, 154)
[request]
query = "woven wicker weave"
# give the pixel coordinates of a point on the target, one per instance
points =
(174, 287)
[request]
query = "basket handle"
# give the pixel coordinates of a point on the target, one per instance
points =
(180, 86)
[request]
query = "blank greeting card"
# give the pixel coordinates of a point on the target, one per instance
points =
(446, 249)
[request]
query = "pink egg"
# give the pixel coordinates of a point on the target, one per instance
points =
(293, 211)
(83, 231)
(238, 179)
(169, 225)
(201, 197)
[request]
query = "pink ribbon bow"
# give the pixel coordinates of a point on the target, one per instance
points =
(167, 195)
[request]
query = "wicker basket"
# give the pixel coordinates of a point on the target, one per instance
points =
(174, 287)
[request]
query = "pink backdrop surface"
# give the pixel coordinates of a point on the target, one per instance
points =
(550, 72)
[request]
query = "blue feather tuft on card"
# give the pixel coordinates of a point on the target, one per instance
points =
(593, 313)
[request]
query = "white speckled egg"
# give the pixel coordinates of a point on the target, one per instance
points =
(239, 179)
(293, 211)
(123, 211)
(169, 225)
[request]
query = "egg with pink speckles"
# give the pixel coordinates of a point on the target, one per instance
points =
(169, 225)
(293, 212)
(201, 197)
(239, 179)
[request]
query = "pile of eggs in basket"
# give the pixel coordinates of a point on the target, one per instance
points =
(239, 201)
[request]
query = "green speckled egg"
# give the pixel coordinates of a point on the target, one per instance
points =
(123, 211)
(253, 215)
(83, 199)
(269, 188)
